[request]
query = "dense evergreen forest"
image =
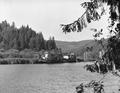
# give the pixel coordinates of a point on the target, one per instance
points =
(23, 38)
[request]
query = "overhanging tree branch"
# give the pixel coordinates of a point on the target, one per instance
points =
(89, 15)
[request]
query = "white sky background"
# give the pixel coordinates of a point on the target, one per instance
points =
(46, 16)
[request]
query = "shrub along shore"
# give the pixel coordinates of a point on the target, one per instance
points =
(19, 61)
(28, 56)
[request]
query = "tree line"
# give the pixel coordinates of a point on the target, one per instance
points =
(23, 38)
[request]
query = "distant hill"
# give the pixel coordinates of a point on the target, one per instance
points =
(68, 46)
(80, 47)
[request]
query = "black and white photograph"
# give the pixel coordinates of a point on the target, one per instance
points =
(59, 46)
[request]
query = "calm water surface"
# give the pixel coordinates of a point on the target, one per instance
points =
(43, 78)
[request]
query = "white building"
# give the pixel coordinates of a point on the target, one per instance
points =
(66, 57)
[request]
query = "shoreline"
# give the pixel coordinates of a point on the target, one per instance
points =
(46, 63)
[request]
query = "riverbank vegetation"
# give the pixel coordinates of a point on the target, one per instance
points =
(28, 56)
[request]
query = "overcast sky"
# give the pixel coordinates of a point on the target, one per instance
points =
(46, 16)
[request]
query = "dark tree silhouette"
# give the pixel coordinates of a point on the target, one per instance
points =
(91, 14)
(24, 37)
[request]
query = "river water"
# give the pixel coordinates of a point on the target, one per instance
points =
(43, 78)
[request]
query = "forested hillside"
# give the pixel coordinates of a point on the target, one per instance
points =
(68, 46)
(23, 38)
(80, 47)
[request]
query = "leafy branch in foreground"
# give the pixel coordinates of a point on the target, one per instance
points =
(90, 14)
